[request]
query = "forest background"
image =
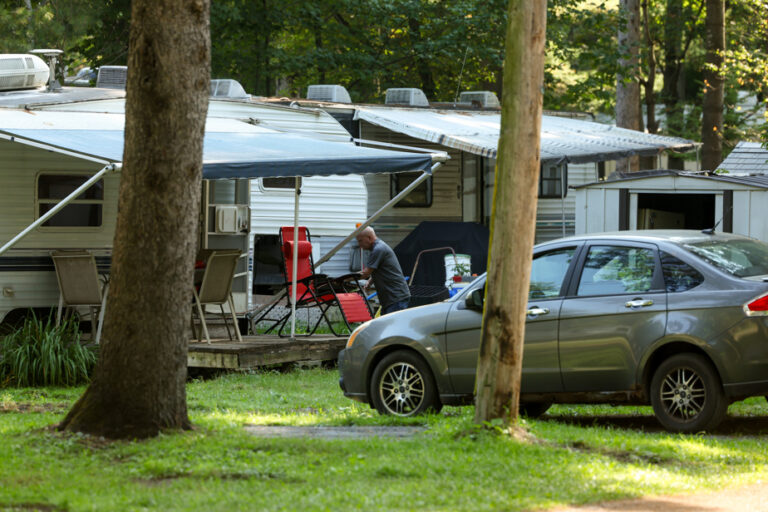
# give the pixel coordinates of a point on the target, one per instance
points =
(278, 48)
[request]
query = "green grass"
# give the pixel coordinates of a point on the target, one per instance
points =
(576, 455)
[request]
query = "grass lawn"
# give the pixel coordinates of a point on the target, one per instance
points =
(577, 455)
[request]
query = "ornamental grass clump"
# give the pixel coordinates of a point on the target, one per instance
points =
(40, 353)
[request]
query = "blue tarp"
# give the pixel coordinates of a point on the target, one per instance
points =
(247, 154)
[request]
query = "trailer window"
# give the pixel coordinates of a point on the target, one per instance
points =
(83, 211)
(553, 181)
(280, 183)
(419, 196)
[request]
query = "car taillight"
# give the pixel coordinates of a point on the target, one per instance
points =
(758, 307)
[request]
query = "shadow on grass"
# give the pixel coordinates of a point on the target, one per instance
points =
(733, 426)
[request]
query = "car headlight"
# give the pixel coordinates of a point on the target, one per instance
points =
(355, 333)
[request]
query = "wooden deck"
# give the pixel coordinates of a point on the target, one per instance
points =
(262, 350)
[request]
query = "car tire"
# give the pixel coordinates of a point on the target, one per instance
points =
(534, 409)
(402, 385)
(687, 395)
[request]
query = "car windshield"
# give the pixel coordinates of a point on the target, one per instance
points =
(741, 258)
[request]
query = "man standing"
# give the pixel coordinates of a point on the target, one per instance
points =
(384, 269)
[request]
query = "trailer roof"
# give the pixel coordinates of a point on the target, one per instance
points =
(231, 148)
(562, 138)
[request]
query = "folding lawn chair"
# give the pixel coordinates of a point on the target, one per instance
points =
(315, 290)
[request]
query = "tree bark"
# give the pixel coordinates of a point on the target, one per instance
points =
(714, 87)
(514, 216)
(627, 85)
(138, 387)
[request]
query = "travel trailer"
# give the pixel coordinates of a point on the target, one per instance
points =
(60, 155)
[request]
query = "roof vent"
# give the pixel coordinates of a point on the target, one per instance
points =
(112, 77)
(227, 88)
(486, 99)
(19, 71)
(332, 93)
(406, 96)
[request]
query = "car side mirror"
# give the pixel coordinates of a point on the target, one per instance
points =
(475, 299)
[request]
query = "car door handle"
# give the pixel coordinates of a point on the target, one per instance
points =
(638, 303)
(537, 311)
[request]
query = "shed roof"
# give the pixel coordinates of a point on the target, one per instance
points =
(561, 138)
(231, 148)
(757, 181)
(746, 158)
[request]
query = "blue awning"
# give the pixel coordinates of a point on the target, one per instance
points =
(247, 154)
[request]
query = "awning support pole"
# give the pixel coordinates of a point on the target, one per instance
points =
(61, 204)
(297, 193)
(407, 190)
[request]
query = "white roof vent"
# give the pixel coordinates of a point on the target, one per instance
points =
(112, 77)
(332, 93)
(406, 96)
(227, 88)
(485, 99)
(19, 71)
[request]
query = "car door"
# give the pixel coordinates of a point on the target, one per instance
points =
(615, 308)
(541, 366)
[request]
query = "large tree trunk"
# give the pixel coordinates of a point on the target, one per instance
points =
(714, 85)
(513, 221)
(627, 84)
(138, 387)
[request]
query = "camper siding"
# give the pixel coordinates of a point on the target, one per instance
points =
(550, 212)
(21, 166)
(328, 206)
(396, 223)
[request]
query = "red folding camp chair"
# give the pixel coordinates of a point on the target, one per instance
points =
(316, 290)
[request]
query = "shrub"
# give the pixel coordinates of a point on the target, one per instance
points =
(39, 353)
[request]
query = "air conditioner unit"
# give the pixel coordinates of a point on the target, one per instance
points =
(406, 96)
(485, 99)
(331, 93)
(19, 71)
(112, 77)
(234, 218)
(227, 88)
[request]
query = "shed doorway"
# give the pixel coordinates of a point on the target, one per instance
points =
(675, 211)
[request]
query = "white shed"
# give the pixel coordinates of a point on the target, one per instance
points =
(666, 199)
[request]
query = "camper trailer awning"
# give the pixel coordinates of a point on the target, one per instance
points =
(477, 132)
(251, 153)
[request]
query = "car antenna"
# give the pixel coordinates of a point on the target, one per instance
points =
(711, 231)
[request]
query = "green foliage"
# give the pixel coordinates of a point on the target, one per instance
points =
(40, 353)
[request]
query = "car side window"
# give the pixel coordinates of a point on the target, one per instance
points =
(548, 272)
(612, 270)
(678, 275)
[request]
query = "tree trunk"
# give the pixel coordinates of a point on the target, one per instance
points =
(714, 85)
(138, 386)
(627, 85)
(673, 89)
(514, 215)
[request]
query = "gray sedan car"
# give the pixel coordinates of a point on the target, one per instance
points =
(677, 319)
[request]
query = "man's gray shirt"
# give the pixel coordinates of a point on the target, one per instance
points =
(387, 274)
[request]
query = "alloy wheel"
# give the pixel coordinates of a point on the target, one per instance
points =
(401, 388)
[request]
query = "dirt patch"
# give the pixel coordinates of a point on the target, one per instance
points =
(740, 499)
(352, 432)
(629, 457)
(22, 407)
